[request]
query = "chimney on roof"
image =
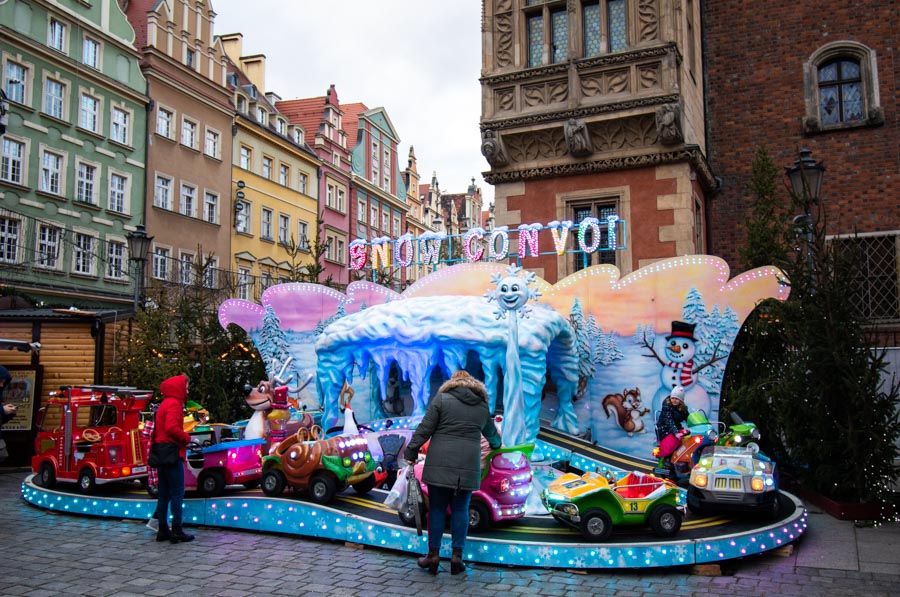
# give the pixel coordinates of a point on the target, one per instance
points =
(233, 44)
(254, 67)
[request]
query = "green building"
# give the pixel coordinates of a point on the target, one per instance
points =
(72, 165)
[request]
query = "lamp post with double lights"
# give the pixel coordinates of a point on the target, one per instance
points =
(805, 177)
(138, 247)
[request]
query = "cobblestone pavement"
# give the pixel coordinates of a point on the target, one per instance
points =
(47, 553)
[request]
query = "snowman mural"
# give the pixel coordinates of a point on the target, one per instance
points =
(680, 369)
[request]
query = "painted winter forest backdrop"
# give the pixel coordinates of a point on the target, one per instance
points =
(597, 351)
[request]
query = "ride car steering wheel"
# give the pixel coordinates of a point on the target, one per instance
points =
(90, 435)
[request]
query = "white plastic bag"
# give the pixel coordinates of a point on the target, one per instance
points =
(398, 494)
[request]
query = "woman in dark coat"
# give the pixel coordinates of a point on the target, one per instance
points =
(455, 420)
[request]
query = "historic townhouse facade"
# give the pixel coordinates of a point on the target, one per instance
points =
(595, 109)
(73, 156)
(321, 120)
(824, 80)
(415, 216)
(188, 190)
(276, 205)
(378, 190)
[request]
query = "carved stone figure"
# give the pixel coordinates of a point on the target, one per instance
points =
(668, 124)
(492, 149)
(577, 138)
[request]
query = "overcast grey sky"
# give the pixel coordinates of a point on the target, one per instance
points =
(418, 59)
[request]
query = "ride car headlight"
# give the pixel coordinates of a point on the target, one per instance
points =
(755, 434)
(757, 484)
(738, 438)
(700, 480)
(568, 508)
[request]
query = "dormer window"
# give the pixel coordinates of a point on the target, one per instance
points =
(262, 116)
(242, 105)
(280, 126)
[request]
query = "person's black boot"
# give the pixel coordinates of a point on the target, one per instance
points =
(432, 561)
(178, 535)
(457, 566)
(163, 534)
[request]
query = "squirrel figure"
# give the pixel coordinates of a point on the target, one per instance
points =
(628, 409)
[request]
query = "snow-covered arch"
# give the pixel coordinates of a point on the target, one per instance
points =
(421, 333)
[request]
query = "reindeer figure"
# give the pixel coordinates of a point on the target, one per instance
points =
(269, 401)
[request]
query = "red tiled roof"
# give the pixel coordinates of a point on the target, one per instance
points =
(351, 121)
(307, 113)
(137, 16)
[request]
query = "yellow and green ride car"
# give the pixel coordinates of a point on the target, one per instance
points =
(594, 503)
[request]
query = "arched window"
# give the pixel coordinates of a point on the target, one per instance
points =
(841, 88)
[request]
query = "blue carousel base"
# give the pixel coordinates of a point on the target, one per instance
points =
(371, 526)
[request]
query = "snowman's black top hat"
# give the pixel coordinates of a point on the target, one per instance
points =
(681, 329)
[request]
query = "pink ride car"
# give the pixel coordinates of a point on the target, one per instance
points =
(505, 487)
(215, 461)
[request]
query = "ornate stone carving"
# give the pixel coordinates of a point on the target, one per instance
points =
(691, 154)
(583, 112)
(648, 20)
(504, 40)
(504, 5)
(578, 138)
(542, 144)
(543, 94)
(627, 133)
(492, 149)
(505, 99)
(649, 75)
(668, 124)
(613, 81)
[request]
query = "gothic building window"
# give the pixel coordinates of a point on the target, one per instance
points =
(841, 88)
(599, 210)
(547, 26)
(604, 27)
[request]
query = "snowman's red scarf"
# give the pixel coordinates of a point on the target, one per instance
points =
(685, 373)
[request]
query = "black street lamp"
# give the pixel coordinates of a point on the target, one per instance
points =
(806, 177)
(138, 247)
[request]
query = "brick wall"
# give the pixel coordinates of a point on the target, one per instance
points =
(754, 53)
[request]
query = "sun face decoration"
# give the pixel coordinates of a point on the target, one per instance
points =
(512, 292)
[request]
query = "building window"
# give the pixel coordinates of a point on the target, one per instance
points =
(304, 183)
(51, 172)
(617, 29)
(16, 78)
(211, 207)
(89, 115)
(339, 251)
(303, 235)
(188, 200)
(242, 105)
(160, 263)
(396, 226)
(329, 247)
(120, 123)
(373, 216)
(164, 120)
(189, 133)
(118, 189)
(555, 37)
(48, 238)
(83, 254)
(162, 193)
(12, 161)
(590, 18)
(376, 167)
(211, 147)
(284, 175)
(85, 184)
(244, 283)
(115, 260)
(386, 170)
(600, 211)
(186, 269)
(265, 224)
(262, 116)
(57, 36)
(267, 168)
(840, 92)
(280, 126)
(385, 221)
(841, 88)
(190, 58)
(284, 228)
(298, 136)
(876, 295)
(245, 157)
(361, 210)
(243, 217)
(329, 196)
(336, 159)
(9, 239)
(54, 99)
(90, 52)
(341, 200)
